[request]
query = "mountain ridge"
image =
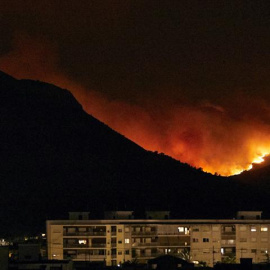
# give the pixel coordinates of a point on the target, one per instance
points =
(56, 158)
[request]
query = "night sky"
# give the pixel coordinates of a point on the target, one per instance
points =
(187, 78)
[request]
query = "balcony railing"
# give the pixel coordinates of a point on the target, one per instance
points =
(228, 233)
(144, 233)
(84, 233)
(161, 244)
(160, 233)
(154, 255)
(88, 257)
(94, 245)
(75, 245)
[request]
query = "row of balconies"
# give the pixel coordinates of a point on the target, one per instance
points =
(158, 233)
(114, 233)
(155, 244)
(87, 233)
(76, 245)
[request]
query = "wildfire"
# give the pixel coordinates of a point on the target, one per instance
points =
(260, 158)
(226, 138)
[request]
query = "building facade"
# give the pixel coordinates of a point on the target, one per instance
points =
(114, 241)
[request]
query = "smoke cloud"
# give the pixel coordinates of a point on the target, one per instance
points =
(224, 138)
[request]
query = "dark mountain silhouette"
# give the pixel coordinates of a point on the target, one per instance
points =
(56, 158)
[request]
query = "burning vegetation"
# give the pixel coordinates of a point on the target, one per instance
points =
(224, 137)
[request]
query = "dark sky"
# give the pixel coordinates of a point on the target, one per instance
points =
(188, 78)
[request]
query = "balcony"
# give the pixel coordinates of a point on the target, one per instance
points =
(94, 245)
(88, 257)
(144, 233)
(154, 255)
(71, 245)
(228, 233)
(76, 245)
(84, 233)
(154, 244)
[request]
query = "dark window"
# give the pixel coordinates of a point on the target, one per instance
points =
(205, 239)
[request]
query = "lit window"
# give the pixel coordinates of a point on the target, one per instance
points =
(181, 229)
(253, 229)
(264, 229)
(127, 241)
(222, 250)
(186, 231)
(231, 241)
(82, 242)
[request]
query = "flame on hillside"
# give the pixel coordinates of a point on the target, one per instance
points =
(219, 138)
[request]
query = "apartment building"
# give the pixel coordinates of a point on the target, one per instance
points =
(119, 238)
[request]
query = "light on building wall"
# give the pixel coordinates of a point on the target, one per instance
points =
(82, 242)
(181, 229)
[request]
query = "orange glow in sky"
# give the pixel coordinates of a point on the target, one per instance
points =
(219, 138)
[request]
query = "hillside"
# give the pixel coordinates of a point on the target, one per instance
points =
(56, 158)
